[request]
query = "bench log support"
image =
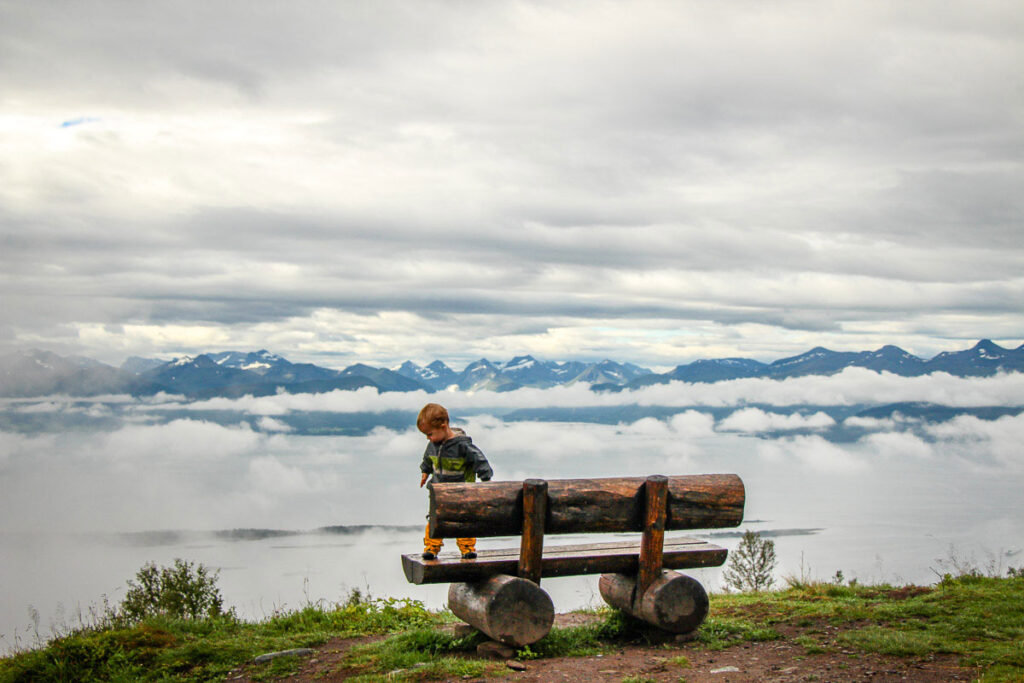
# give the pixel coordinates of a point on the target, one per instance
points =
(509, 609)
(675, 602)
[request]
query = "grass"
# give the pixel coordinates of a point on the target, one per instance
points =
(162, 648)
(977, 620)
(425, 654)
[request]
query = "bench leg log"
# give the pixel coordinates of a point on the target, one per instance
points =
(509, 609)
(674, 602)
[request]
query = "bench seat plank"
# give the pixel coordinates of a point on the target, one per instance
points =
(562, 560)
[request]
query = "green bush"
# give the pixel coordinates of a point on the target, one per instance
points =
(185, 591)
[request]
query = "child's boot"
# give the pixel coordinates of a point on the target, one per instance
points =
(468, 547)
(431, 546)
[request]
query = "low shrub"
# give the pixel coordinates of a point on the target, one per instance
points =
(185, 591)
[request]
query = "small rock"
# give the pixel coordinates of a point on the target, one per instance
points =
(495, 650)
(725, 670)
(515, 665)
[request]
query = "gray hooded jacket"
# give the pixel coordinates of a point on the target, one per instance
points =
(456, 459)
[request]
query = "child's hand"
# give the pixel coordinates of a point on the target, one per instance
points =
(423, 479)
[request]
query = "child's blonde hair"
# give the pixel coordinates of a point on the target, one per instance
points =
(432, 416)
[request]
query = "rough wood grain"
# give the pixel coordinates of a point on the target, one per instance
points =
(509, 609)
(655, 498)
(487, 509)
(674, 602)
(531, 546)
(562, 560)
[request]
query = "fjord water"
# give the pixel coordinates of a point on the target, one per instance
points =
(879, 510)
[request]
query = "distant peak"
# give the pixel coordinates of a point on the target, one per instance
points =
(520, 362)
(890, 350)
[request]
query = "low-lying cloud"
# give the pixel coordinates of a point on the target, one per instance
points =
(755, 420)
(193, 473)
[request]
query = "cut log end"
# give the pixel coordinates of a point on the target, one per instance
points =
(509, 609)
(674, 602)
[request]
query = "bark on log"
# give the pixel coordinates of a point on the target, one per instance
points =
(675, 602)
(495, 508)
(509, 609)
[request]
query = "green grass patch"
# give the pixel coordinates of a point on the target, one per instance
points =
(682, 661)
(908, 642)
(164, 648)
(718, 633)
(977, 619)
(811, 645)
(421, 654)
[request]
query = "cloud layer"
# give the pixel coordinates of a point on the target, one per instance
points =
(240, 463)
(193, 474)
(657, 182)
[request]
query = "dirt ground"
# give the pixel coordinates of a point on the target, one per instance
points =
(780, 661)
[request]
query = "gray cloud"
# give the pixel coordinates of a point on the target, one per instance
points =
(689, 179)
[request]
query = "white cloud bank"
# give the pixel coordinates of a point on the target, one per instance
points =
(195, 474)
(755, 420)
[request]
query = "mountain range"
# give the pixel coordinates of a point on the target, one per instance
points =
(260, 373)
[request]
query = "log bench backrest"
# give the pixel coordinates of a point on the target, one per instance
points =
(702, 501)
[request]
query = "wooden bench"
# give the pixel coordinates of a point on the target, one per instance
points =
(499, 591)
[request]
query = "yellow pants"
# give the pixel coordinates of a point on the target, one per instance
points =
(433, 545)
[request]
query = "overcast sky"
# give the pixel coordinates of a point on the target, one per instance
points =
(648, 181)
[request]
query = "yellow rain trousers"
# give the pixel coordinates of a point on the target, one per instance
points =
(433, 545)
